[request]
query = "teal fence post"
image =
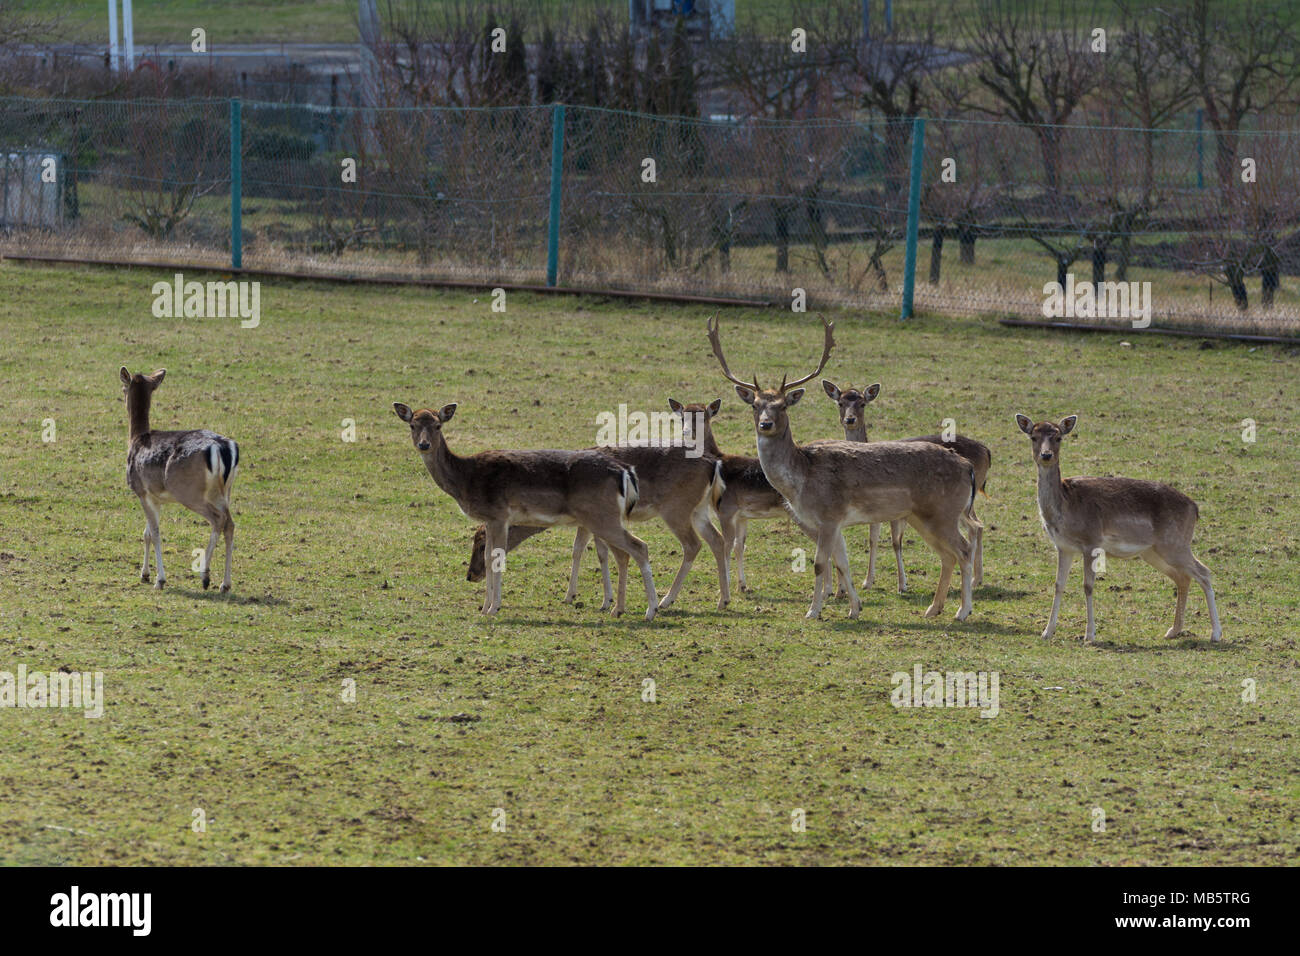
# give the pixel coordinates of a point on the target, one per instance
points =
(557, 171)
(1200, 149)
(236, 189)
(913, 215)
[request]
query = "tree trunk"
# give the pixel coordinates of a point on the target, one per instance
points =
(782, 222)
(1268, 278)
(1225, 158)
(1236, 277)
(966, 236)
(936, 254)
(1062, 266)
(1098, 266)
(1121, 256)
(1049, 142)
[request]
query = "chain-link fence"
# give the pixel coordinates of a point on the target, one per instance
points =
(1196, 227)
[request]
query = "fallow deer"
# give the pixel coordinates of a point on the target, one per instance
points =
(835, 484)
(589, 489)
(746, 492)
(673, 487)
(852, 403)
(1125, 518)
(195, 468)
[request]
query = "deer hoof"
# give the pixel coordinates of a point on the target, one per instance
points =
(933, 610)
(206, 582)
(963, 614)
(225, 589)
(158, 585)
(1172, 633)
(145, 577)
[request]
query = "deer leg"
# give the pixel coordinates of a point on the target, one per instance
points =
(821, 569)
(948, 557)
(896, 536)
(218, 523)
(1186, 565)
(977, 543)
(965, 555)
(151, 529)
(497, 534)
(846, 577)
(873, 541)
(229, 528)
(632, 546)
(580, 540)
(690, 548)
(1203, 578)
(742, 529)
(602, 555)
(1064, 561)
(716, 543)
(144, 568)
(1089, 579)
(1182, 580)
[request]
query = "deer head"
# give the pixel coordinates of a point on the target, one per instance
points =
(852, 402)
(770, 406)
(1045, 437)
(426, 425)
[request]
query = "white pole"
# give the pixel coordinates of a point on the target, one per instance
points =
(128, 34)
(114, 58)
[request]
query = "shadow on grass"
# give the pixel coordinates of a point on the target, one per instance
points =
(215, 596)
(1184, 643)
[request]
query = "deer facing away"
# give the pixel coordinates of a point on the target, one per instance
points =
(852, 403)
(589, 489)
(1114, 518)
(832, 485)
(195, 468)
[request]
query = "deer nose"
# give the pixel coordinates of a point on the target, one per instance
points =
(850, 420)
(765, 426)
(423, 446)
(1045, 455)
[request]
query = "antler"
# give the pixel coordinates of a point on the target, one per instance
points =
(717, 351)
(826, 354)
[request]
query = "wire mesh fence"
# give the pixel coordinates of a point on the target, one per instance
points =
(1202, 227)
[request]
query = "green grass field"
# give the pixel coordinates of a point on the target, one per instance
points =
(350, 565)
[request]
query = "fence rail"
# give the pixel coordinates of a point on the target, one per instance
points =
(972, 217)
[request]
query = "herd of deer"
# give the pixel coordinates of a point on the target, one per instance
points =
(824, 486)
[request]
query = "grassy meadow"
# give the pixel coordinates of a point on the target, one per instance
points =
(525, 738)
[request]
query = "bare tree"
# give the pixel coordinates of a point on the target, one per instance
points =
(1034, 69)
(1243, 58)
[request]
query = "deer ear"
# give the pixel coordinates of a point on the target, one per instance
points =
(792, 397)
(1025, 424)
(872, 391)
(746, 394)
(675, 405)
(403, 411)
(125, 375)
(714, 407)
(1067, 424)
(445, 413)
(156, 378)
(831, 390)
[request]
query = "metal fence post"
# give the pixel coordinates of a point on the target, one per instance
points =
(913, 215)
(1200, 149)
(557, 171)
(236, 189)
